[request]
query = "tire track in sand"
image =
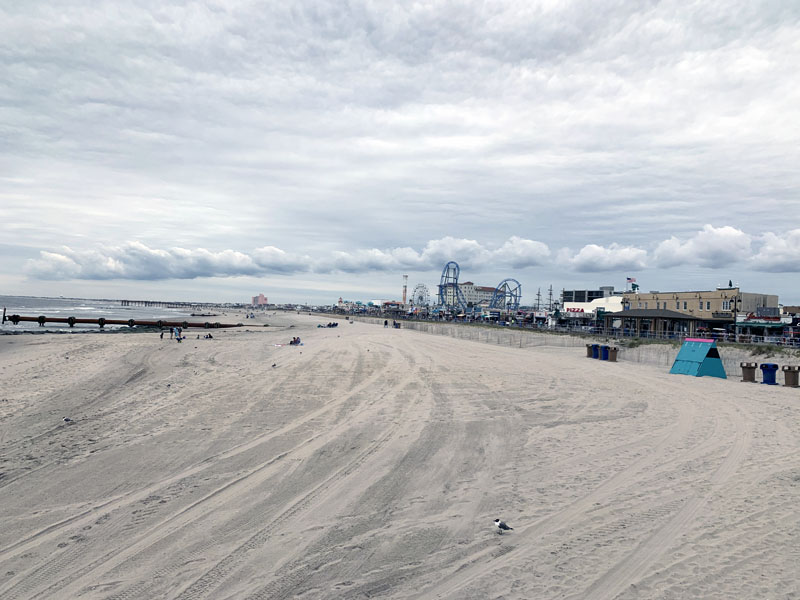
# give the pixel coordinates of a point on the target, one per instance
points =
(27, 582)
(368, 507)
(484, 563)
(635, 565)
(211, 579)
(481, 563)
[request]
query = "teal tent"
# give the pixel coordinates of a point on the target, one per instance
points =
(698, 357)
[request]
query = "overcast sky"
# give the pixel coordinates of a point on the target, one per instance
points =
(311, 150)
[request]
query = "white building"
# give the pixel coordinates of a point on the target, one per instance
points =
(588, 310)
(475, 294)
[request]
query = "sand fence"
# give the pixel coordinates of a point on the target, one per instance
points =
(661, 354)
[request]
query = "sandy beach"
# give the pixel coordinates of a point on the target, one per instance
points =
(371, 463)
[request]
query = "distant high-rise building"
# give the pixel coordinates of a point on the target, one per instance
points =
(260, 300)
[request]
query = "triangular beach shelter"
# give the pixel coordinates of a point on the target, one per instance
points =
(698, 357)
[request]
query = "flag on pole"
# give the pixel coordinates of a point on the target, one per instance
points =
(631, 279)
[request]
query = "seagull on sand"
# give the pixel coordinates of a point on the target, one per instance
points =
(501, 526)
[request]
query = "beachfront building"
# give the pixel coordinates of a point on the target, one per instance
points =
(650, 322)
(713, 308)
(583, 308)
(670, 314)
(260, 300)
(473, 295)
(587, 296)
(584, 314)
(476, 294)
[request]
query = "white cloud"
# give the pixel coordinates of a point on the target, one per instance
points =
(358, 261)
(274, 260)
(712, 247)
(137, 261)
(468, 252)
(779, 253)
(520, 253)
(593, 258)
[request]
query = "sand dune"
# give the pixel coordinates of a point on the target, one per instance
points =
(371, 462)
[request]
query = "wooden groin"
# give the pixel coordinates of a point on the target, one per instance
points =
(42, 320)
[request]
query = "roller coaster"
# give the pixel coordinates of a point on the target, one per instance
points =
(507, 294)
(450, 295)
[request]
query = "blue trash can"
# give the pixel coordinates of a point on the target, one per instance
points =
(768, 371)
(595, 350)
(603, 352)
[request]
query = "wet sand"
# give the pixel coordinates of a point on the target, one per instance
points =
(371, 462)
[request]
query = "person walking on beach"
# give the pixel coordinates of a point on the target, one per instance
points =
(162, 334)
(386, 323)
(171, 332)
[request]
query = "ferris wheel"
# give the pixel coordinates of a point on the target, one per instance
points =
(421, 296)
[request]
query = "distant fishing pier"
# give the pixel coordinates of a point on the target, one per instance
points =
(162, 304)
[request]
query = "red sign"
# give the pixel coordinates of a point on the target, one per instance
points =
(574, 310)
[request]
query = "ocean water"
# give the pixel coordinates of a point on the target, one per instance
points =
(31, 306)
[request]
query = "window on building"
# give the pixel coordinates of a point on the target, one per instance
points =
(658, 304)
(701, 305)
(640, 305)
(645, 304)
(677, 305)
(708, 305)
(726, 305)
